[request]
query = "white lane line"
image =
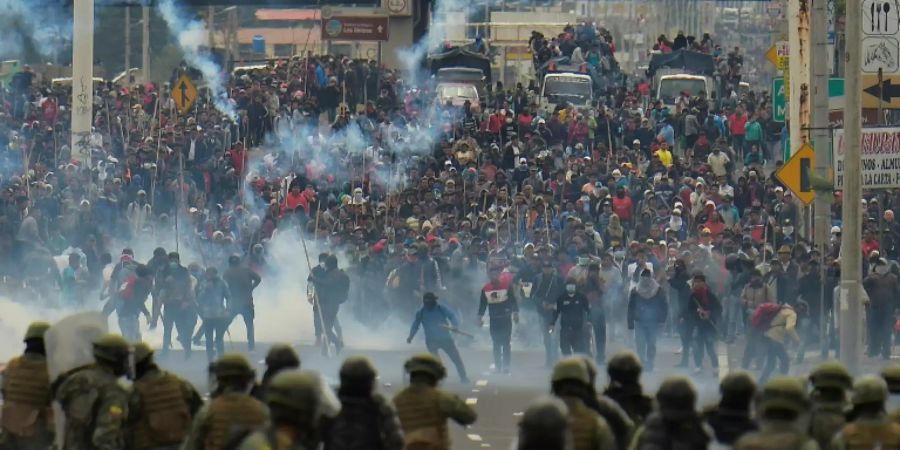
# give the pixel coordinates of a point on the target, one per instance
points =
(471, 401)
(518, 414)
(485, 445)
(723, 364)
(476, 390)
(481, 383)
(474, 437)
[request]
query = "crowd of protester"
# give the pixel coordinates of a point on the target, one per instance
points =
(621, 200)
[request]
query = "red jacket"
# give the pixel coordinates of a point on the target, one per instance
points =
(738, 125)
(622, 207)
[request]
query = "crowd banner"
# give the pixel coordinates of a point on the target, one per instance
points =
(880, 158)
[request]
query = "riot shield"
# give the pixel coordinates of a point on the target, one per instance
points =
(69, 345)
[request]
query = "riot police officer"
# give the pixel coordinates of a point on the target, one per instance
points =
(675, 423)
(624, 370)
(779, 407)
(732, 417)
(280, 357)
(94, 404)
(830, 383)
(423, 409)
(870, 427)
(569, 382)
(162, 405)
(27, 420)
(545, 426)
(231, 409)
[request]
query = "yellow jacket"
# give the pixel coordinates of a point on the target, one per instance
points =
(783, 326)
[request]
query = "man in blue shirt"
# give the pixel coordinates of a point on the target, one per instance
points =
(438, 321)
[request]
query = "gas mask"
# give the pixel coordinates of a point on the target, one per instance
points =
(570, 290)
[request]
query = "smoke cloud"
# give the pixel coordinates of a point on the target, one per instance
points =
(46, 29)
(191, 36)
(435, 38)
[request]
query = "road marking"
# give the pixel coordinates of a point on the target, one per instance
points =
(481, 383)
(518, 414)
(485, 445)
(472, 401)
(476, 390)
(474, 437)
(723, 364)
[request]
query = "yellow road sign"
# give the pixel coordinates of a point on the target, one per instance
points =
(889, 91)
(184, 93)
(778, 54)
(795, 173)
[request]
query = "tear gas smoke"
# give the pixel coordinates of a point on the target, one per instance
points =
(412, 57)
(47, 29)
(191, 36)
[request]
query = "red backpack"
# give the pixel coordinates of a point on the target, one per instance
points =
(763, 315)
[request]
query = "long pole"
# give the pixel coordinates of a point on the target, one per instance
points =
(145, 43)
(850, 306)
(821, 140)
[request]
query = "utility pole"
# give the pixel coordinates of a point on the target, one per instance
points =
(210, 25)
(798, 37)
(128, 45)
(145, 43)
(82, 80)
(821, 134)
(850, 304)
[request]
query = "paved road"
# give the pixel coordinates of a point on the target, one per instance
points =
(499, 399)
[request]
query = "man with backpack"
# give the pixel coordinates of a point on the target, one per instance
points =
(132, 302)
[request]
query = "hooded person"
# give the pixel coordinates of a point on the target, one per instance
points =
(647, 312)
(438, 321)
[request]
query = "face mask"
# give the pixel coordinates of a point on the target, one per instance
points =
(173, 265)
(788, 230)
(881, 270)
(570, 289)
(675, 223)
(756, 283)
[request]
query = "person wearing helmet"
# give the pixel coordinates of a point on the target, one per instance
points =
(624, 370)
(870, 427)
(423, 408)
(779, 409)
(27, 416)
(161, 406)
(675, 423)
(830, 383)
(241, 282)
(299, 402)
(618, 420)
(231, 409)
(570, 382)
(544, 426)
(95, 405)
(883, 288)
(732, 417)
(280, 357)
(367, 419)
(499, 301)
(172, 299)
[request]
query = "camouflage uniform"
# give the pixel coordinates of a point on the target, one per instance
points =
(676, 423)
(830, 382)
(731, 418)
(891, 375)
(27, 419)
(297, 401)
(872, 429)
(624, 370)
(618, 420)
(423, 409)
(161, 406)
(367, 420)
(231, 412)
(544, 425)
(94, 403)
(785, 396)
(589, 430)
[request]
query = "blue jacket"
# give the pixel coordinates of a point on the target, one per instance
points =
(434, 320)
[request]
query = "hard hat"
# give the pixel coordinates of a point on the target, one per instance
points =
(835, 229)
(282, 355)
(869, 389)
(783, 393)
(233, 365)
(142, 352)
(111, 348)
(676, 394)
(571, 368)
(831, 374)
(295, 390)
(624, 364)
(427, 363)
(738, 383)
(358, 367)
(36, 330)
(891, 375)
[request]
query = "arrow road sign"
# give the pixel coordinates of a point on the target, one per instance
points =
(355, 28)
(184, 94)
(888, 91)
(795, 174)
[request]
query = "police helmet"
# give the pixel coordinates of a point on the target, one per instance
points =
(111, 348)
(36, 330)
(572, 368)
(869, 389)
(783, 393)
(426, 363)
(831, 374)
